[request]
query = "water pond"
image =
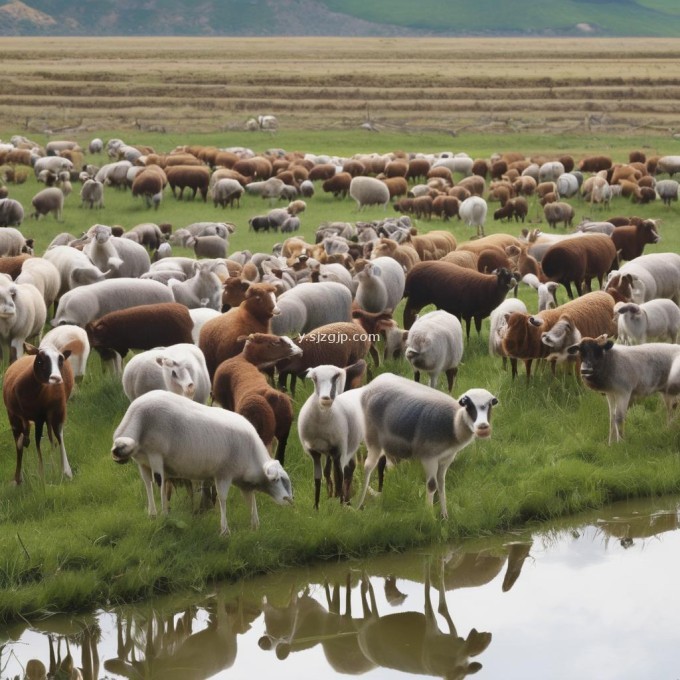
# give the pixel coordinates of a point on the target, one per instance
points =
(593, 597)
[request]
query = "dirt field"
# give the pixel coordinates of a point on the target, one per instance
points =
(447, 85)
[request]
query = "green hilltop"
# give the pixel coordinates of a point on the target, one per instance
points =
(653, 18)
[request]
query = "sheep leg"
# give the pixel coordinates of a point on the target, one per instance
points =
(372, 457)
(39, 424)
(431, 477)
(249, 497)
(57, 428)
(222, 486)
(281, 447)
(374, 355)
(316, 458)
(381, 472)
(527, 365)
(147, 478)
(416, 376)
(334, 456)
(451, 374)
(441, 487)
(410, 312)
(347, 481)
(20, 431)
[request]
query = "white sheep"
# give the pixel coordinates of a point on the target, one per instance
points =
(44, 276)
(92, 194)
(380, 285)
(369, 191)
(473, 211)
(546, 291)
(330, 424)
(498, 324)
(74, 267)
(653, 320)
(434, 345)
(13, 242)
(74, 339)
(22, 314)
(169, 435)
(179, 368)
(656, 275)
(50, 200)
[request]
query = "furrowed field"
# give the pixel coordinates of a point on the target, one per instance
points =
(85, 542)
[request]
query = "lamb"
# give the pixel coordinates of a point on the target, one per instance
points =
(22, 314)
(139, 327)
(168, 435)
(656, 275)
(224, 336)
(653, 320)
(50, 200)
(434, 345)
(380, 285)
(238, 385)
(630, 240)
(84, 304)
(204, 289)
(180, 369)
(330, 424)
(368, 191)
(462, 292)
(404, 420)
(473, 211)
(11, 212)
(35, 389)
(74, 339)
(622, 372)
(310, 305)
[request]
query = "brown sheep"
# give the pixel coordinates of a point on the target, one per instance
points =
(500, 191)
(498, 169)
(595, 163)
(422, 207)
(239, 386)
(525, 263)
(196, 178)
(592, 314)
(525, 186)
(35, 389)
(463, 258)
(12, 264)
(323, 171)
(338, 344)
(474, 184)
(234, 292)
(405, 206)
(462, 292)
(493, 258)
(140, 327)
(637, 157)
(558, 211)
(224, 336)
(579, 260)
(629, 241)
(397, 168)
(461, 193)
(441, 172)
(418, 169)
(445, 207)
(338, 185)
(354, 168)
(404, 254)
(433, 245)
(397, 186)
(481, 167)
(498, 240)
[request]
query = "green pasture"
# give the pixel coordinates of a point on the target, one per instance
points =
(68, 545)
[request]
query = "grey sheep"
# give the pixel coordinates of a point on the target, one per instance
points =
(667, 189)
(368, 191)
(204, 289)
(50, 200)
(92, 194)
(380, 285)
(11, 212)
(208, 246)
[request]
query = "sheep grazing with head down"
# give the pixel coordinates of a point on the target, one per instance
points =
(653, 320)
(169, 436)
(368, 191)
(330, 424)
(407, 420)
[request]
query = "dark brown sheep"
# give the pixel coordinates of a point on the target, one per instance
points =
(397, 186)
(481, 167)
(445, 207)
(418, 169)
(396, 168)
(338, 185)
(196, 178)
(595, 163)
(12, 264)
(579, 260)
(354, 168)
(630, 240)
(462, 292)
(323, 171)
(422, 207)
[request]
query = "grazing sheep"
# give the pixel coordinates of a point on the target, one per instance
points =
(380, 285)
(330, 424)
(92, 194)
(74, 339)
(368, 191)
(621, 373)
(86, 303)
(669, 164)
(238, 385)
(656, 275)
(558, 212)
(338, 185)
(196, 178)
(35, 389)
(50, 200)
(462, 292)
(653, 320)
(227, 191)
(567, 185)
(11, 212)
(168, 435)
(310, 305)
(473, 211)
(434, 345)
(667, 189)
(22, 315)
(180, 369)
(407, 420)
(208, 246)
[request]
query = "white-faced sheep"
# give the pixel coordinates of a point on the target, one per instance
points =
(656, 275)
(74, 339)
(655, 320)
(621, 373)
(168, 435)
(22, 314)
(330, 424)
(407, 420)
(435, 345)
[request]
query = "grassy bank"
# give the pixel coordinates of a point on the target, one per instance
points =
(82, 543)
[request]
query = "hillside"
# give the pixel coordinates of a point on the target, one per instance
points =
(657, 18)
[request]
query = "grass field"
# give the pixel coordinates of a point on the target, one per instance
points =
(69, 545)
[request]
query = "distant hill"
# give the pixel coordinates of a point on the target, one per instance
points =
(654, 18)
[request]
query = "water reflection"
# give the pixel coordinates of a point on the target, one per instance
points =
(446, 613)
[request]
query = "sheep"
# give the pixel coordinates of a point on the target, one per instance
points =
(74, 339)
(86, 303)
(238, 385)
(546, 291)
(146, 234)
(330, 424)
(653, 320)
(22, 314)
(656, 275)
(669, 164)
(473, 211)
(550, 171)
(559, 338)
(203, 289)
(579, 260)
(592, 314)
(199, 316)
(74, 267)
(310, 305)
(139, 327)
(595, 163)
(462, 292)
(12, 242)
(224, 336)
(124, 258)
(558, 212)
(341, 343)
(50, 200)
(404, 420)
(567, 185)
(44, 276)
(667, 190)
(405, 255)
(380, 285)
(180, 369)
(338, 185)
(434, 345)
(114, 174)
(168, 435)
(92, 194)
(35, 389)
(498, 325)
(11, 212)
(368, 191)
(208, 246)
(621, 372)
(630, 240)
(226, 191)
(196, 178)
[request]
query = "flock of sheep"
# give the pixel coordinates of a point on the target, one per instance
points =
(220, 327)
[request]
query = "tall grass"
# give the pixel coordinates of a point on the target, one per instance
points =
(80, 543)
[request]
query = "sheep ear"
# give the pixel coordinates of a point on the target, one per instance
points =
(272, 470)
(66, 354)
(535, 321)
(243, 338)
(494, 401)
(354, 372)
(574, 349)
(30, 349)
(464, 401)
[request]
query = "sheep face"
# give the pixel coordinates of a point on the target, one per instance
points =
(177, 376)
(263, 298)
(277, 483)
(7, 306)
(101, 233)
(329, 381)
(123, 449)
(593, 355)
(478, 404)
(48, 363)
